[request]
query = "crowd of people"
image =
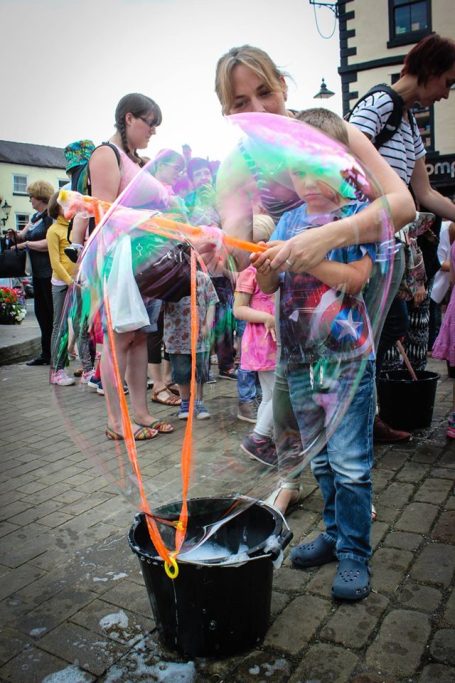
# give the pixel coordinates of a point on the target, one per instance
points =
(314, 240)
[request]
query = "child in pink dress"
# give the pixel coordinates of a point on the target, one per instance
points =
(258, 348)
(444, 346)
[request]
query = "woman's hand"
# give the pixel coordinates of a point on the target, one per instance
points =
(419, 296)
(298, 254)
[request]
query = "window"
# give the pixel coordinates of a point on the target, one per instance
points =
(22, 220)
(62, 182)
(20, 183)
(409, 21)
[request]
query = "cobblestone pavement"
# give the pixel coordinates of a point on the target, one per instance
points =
(73, 602)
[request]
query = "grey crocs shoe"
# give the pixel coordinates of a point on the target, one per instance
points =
(352, 580)
(313, 554)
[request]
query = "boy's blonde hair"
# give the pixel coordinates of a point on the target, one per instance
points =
(330, 123)
(263, 226)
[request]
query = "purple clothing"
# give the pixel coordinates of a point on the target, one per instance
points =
(444, 346)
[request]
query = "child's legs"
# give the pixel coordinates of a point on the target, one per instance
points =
(59, 355)
(350, 457)
(264, 422)
(285, 428)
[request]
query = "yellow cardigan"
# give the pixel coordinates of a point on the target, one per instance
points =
(62, 268)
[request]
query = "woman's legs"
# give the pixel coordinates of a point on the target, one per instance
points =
(44, 312)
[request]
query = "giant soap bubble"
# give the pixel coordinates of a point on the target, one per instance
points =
(146, 248)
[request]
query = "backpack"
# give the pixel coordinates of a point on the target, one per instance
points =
(393, 122)
(77, 156)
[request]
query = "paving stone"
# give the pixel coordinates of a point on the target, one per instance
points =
(120, 624)
(417, 517)
(261, 666)
(279, 602)
(325, 663)
(403, 540)
(449, 612)
(54, 611)
(378, 531)
(437, 672)
(87, 649)
(412, 472)
(389, 567)
(422, 598)
(289, 632)
(16, 578)
(352, 624)
(321, 580)
(444, 529)
(32, 665)
(442, 473)
(427, 452)
(443, 646)
(435, 565)
(434, 491)
(11, 643)
(400, 644)
(290, 579)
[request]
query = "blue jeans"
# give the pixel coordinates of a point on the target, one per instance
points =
(246, 379)
(342, 467)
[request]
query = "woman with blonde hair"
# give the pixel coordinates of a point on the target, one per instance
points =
(33, 238)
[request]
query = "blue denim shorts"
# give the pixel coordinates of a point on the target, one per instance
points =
(181, 367)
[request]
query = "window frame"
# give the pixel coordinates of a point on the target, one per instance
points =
(412, 36)
(16, 216)
(19, 193)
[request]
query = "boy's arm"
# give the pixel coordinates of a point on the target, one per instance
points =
(348, 277)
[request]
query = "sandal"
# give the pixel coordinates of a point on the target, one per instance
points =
(141, 434)
(374, 514)
(173, 388)
(159, 426)
(293, 504)
(352, 580)
(166, 397)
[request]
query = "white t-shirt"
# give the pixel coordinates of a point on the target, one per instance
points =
(404, 147)
(441, 282)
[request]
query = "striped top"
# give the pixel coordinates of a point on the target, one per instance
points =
(404, 148)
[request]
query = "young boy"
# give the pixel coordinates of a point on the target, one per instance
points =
(177, 340)
(326, 343)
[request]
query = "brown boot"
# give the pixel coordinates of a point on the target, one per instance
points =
(383, 433)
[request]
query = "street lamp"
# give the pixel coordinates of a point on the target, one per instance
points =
(324, 93)
(6, 208)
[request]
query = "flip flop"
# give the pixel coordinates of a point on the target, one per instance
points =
(169, 400)
(141, 434)
(159, 426)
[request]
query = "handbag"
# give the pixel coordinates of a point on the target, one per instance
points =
(414, 275)
(128, 312)
(169, 277)
(12, 261)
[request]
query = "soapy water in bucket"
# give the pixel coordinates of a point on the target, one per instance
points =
(142, 250)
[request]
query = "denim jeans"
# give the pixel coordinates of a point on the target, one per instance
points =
(343, 467)
(246, 379)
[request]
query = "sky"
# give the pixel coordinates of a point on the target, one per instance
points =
(64, 64)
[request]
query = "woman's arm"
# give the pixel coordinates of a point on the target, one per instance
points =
(346, 277)
(36, 245)
(431, 199)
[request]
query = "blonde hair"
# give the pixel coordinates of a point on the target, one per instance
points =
(263, 226)
(327, 121)
(53, 208)
(41, 190)
(255, 59)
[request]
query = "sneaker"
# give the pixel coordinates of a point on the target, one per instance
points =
(248, 412)
(184, 410)
(211, 379)
(451, 427)
(260, 448)
(383, 433)
(201, 411)
(61, 378)
(38, 361)
(86, 376)
(72, 253)
(100, 390)
(94, 383)
(228, 374)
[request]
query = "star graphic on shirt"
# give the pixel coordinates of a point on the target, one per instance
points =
(349, 327)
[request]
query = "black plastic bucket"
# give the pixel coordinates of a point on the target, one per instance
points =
(220, 605)
(405, 403)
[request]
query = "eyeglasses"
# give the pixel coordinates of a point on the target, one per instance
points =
(150, 124)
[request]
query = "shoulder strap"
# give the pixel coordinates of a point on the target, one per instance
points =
(393, 122)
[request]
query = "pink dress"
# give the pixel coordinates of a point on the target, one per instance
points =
(444, 346)
(258, 348)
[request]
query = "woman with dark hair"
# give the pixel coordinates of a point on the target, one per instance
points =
(427, 75)
(136, 120)
(33, 238)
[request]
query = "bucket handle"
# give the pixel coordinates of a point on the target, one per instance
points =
(283, 540)
(407, 362)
